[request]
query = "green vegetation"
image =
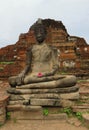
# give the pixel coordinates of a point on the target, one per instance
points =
(67, 110)
(79, 115)
(1, 125)
(81, 80)
(70, 113)
(7, 62)
(1, 68)
(8, 115)
(15, 120)
(45, 111)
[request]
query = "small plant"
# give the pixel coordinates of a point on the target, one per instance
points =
(79, 116)
(8, 115)
(14, 120)
(68, 111)
(45, 111)
(1, 125)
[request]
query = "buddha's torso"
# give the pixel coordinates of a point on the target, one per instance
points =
(41, 58)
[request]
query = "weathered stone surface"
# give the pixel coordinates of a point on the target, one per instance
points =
(55, 81)
(3, 103)
(61, 116)
(26, 96)
(14, 107)
(86, 118)
(41, 84)
(2, 110)
(2, 118)
(45, 96)
(16, 102)
(31, 108)
(72, 96)
(81, 108)
(55, 90)
(13, 91)
(27, 113)
(23, 107)
(66, 103)
(40, 96)
(45, 102)
(16, 97)
(74, 121)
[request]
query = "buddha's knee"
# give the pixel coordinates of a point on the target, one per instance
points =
(71, 79)
(12, 81)
(26, 80)
(68, 81)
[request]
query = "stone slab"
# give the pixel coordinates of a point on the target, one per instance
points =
(81, 108)
(14, 107)
(86, 118)
(27, 113)
(70, 96)
(14, 97)
(45, 102)
(45, 96)
(16, 102)
(66, 103)
(58, 116)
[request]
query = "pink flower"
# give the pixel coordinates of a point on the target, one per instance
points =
(40, 74)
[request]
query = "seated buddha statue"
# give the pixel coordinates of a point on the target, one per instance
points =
(41, 64)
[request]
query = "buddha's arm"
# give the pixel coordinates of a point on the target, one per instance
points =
(28, 64)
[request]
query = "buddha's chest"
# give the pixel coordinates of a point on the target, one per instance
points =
(41, 53)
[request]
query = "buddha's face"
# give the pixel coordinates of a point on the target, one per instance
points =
(40, 34)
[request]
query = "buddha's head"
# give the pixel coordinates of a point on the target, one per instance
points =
(40, 31)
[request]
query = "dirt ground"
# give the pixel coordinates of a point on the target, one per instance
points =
(43, 124)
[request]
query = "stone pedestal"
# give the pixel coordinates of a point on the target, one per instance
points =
(27, 102)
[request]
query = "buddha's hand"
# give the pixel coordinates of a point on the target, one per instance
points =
(45, 74)
(20, 79)
(39, 75)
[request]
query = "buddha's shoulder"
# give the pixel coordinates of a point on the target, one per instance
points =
(52, 47)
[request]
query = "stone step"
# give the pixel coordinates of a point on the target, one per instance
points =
(86, 119)
(26, 112)
(22, 112)
(45, 102)
(85, 92)
(81, 108)
(59, 116)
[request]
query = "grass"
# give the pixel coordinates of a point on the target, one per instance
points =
(79, 81)
(6, 62)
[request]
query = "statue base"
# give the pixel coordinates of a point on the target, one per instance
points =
(29, 103)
